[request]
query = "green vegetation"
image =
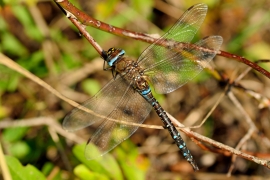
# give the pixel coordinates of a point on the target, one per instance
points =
(39, 37)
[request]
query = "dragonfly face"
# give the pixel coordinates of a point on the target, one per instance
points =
(113, 55)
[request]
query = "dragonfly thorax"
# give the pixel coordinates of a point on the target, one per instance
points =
(132, 72)
(127, 68)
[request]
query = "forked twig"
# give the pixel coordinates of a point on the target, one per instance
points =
(59, 146)
(251, 130)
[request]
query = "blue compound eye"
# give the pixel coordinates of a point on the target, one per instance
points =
(113, 55)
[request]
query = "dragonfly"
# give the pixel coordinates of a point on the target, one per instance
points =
(128, 96)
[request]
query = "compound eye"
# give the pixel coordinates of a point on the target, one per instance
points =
(110, 51)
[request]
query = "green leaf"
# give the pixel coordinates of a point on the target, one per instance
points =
(105, 9)
(91, 86)
(13, 82)
(20, 172)
(105, 164)
(78, 151)
(202, 77)
(210, 3)
(260, 50)
(84, 173)
(70, 61)
(3, 112)
(11, 45)
(144, 9)
(237, 42)
(14, 134)
(20, 149)
(35, 63)
(47, 168)
(3, 25)
(9, 79)
(31, 29)
(133, 165)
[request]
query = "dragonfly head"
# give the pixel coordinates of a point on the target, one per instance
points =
(112, 55)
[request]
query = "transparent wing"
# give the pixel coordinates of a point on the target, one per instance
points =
(170, 67)
(132, 108)
(101, 105)
(177, 68)
(182, 31)
(117, 100)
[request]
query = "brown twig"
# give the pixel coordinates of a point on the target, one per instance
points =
(227, 148)
(60, 148)
(251, 130)
(40, 121)
(86, 20)
(48, 47)
(220, 145)
(245, 61)
(89, 21)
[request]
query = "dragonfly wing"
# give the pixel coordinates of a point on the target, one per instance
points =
(168, 68)
(100, 106)
(182, 31)
(177, 68)
(132, 108)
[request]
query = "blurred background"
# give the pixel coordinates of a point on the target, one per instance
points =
(39, 37)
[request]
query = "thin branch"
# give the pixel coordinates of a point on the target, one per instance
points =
(71, 10)
(242, 110)
(40, 121)
(59, 146)
(231, 150)
(16, 67)
(210, 112)
(245, 61)
(248, 135)
(3, 165)
(52, 123)
(47, 44)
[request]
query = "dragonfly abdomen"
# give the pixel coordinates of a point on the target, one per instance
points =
(173, 131)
